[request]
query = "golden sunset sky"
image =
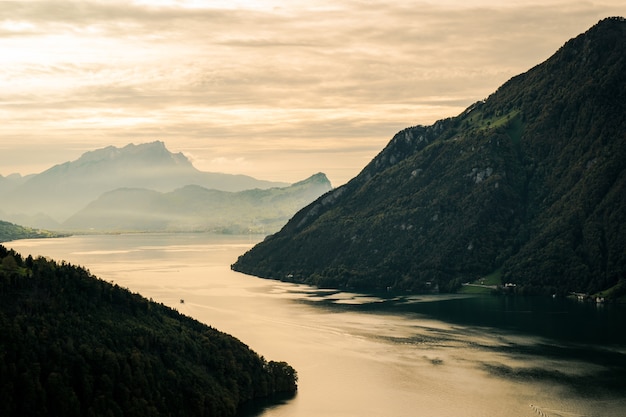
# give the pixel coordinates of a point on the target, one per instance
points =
(278, 90)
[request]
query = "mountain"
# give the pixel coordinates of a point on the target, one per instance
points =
(64, 189)
(75, 345)
(38, 220)
(528, 185)
(195, 208)
(11, 182)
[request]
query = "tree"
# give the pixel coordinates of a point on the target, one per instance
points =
(9, 264)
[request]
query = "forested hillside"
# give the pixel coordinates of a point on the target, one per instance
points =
(528, 185)
(74, 345)
(10, 231)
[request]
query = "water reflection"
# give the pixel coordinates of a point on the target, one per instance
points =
(561, 319)
(380, 354)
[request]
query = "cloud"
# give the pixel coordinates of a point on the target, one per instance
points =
(312, 76)
(222, 162)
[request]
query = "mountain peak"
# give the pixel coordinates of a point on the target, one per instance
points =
(65, 188)
(319, 178)
(597, 43)
(148, 153)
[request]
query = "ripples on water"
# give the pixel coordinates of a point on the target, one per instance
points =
(381, 354)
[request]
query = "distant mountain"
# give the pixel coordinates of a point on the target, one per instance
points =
(75, 345)
(10, 182)
(64, 189)
(528, 185)
(195, 208)
(37, 220)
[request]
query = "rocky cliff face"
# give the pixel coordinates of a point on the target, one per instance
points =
(529, 182)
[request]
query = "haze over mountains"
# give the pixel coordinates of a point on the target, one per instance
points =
(132, 178)
(193, 208)
(528, 185)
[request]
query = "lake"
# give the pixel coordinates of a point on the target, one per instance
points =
(377, 355)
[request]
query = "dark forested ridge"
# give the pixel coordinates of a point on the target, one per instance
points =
(529, 185)
(74, 345)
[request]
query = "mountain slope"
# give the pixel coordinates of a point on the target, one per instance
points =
(10, 231)
(74, 345)
(195, 208)
(530, 183)
(66, 188)
(11, 182)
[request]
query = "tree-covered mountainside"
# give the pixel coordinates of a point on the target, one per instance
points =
(195, 208)
(529, 184)
(74, 345)
(10, 231)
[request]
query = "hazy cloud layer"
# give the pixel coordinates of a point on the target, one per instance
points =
(258, 87)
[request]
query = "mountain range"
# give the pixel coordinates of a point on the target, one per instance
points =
(195, 208)
(135, 178)
(528, 186)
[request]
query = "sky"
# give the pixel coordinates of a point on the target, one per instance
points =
(278, 90)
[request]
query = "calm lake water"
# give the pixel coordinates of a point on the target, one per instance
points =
(372, 355)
